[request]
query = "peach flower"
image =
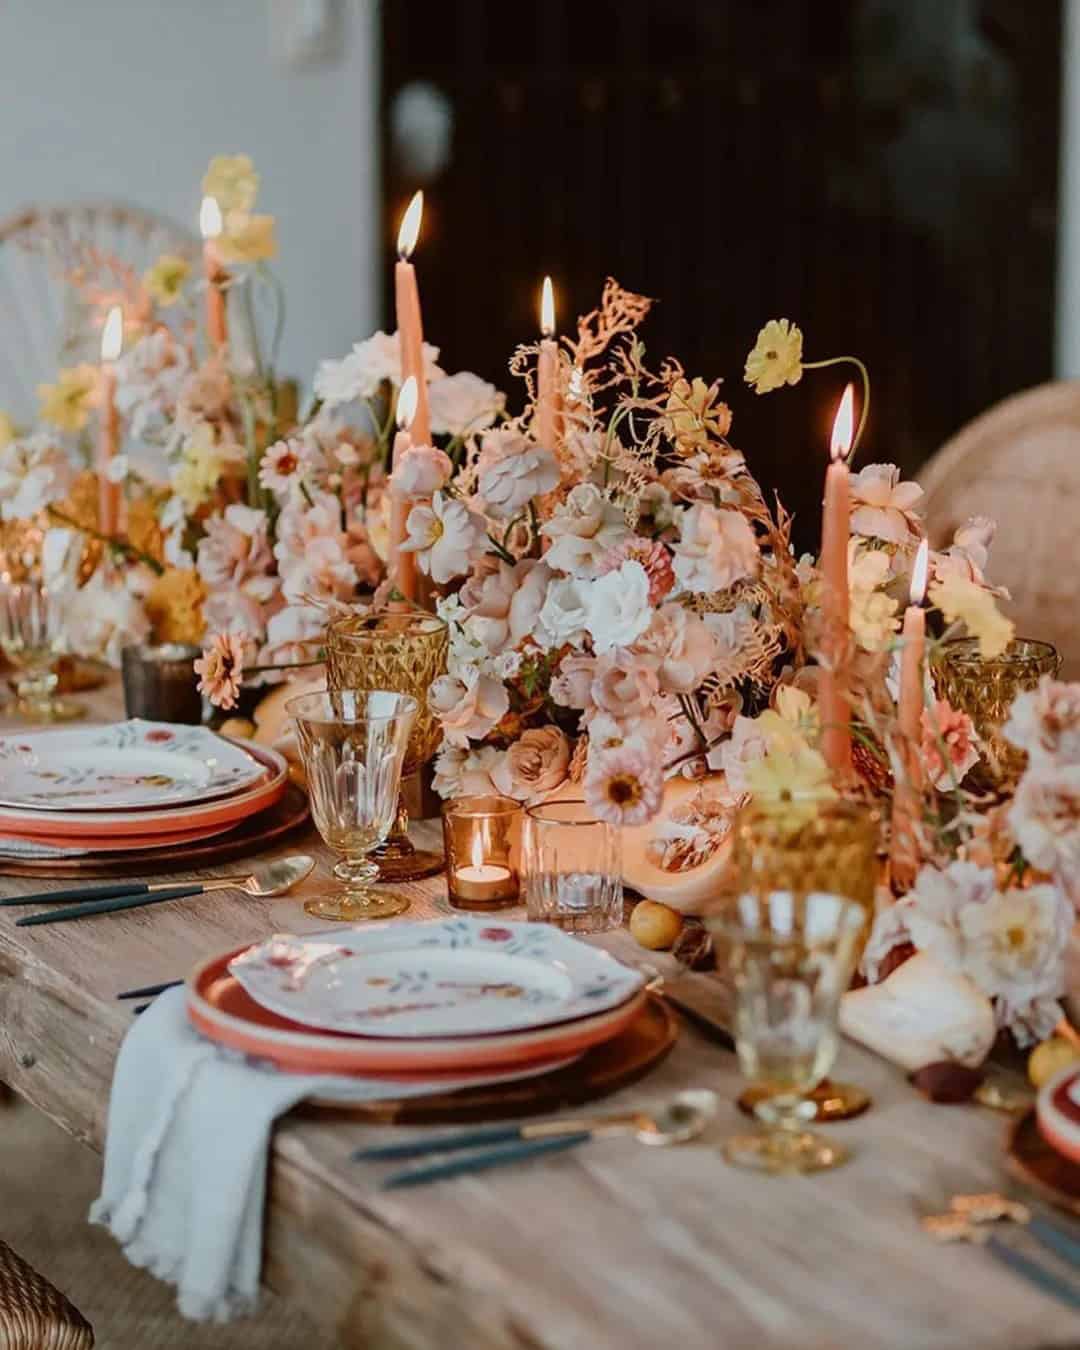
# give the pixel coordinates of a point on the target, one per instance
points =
(221, 670)
(469, 706)
(883, 507)
(716, 548)
(421, 471)
(624, 785)
(1045, 721)
(536, 764)
(571, 686)
(949, 744)
(679, 646)
(625, 686)
(652, 555)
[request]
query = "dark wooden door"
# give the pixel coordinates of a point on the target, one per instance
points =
(882, 171)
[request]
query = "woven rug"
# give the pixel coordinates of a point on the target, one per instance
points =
(47, 1182)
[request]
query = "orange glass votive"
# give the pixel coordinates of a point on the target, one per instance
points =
(482, 836)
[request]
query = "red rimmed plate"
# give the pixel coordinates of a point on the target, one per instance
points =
(119, 843)
(1058, 1111)
(221, 1010)
(146, 825)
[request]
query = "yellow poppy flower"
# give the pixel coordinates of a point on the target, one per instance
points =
(66, 404)
(791, 783)
(247, 239)
(232, 181)
(165, 280)
(777, 357)
(961, 600)
(7, 430)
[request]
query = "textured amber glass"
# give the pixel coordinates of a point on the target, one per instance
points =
(402, 652)
(985, 690)
(833, 850)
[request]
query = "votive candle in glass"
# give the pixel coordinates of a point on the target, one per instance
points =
(571, 866)
(482, 836)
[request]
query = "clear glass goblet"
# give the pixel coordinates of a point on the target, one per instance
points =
(791, 957)
(31, 637)
(353, 744)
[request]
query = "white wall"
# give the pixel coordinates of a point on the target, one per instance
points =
(129, 99)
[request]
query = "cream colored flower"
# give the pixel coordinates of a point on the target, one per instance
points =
(716, 548)
(961, 600)
(777, 357)
(469, 705)
(165, 280)
(536, 764)
(585, 527)
(1045, 818)
(462, 404)
(1014, 943)
(883, 507)
(624, 785)
(66, 404)
(791, 783)
(872, 614)
(34, 472)
(445, 537)
(232, 181)
(618, 607)
(1045, 721)
(246, 239)
(200, 468)
(508, 484)
(798, 709)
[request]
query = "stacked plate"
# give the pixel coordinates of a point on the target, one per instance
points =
(128, 788)
(1058, 1112)
(447, 997)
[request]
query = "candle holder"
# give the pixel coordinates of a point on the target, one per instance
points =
(401, 651)
(160, 683)
(571, 865)
(482, 835)
(985, 690)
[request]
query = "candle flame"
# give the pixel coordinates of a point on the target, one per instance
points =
(918, 573)
(410, 226)
(112, 334)
(547, 308)
(407, 398)
(843, 428)
(210, 222)
(477, 849)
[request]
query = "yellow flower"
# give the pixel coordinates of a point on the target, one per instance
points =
(232, 181)
(961, 600)
(693, 414)
(200, 468)
(165, 280)
(871, 612)
(247, 239)
(66, 404)
(7, 430)
(793, 783)
(777, 357)
(798, 709)
(174, 606)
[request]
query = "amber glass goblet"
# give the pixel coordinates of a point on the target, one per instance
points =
(402, 651)
(985, 690)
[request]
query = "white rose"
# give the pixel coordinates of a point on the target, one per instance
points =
(564, 613)
(619, 609)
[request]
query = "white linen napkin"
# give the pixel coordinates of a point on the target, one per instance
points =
(186, 1155)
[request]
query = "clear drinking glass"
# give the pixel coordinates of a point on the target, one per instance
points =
(791, 957)
(31, 637)
(352, 744)
(571, 867)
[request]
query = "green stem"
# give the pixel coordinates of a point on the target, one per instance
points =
(248, 412)
(502, 552)
(287, 665)
(865, 374)
(117, 545)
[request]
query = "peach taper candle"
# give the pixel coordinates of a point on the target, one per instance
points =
(907, 794)
(110, 503)
(401, 566)
(547, 372)
(210, 227)
(835, 531)
(409, 323)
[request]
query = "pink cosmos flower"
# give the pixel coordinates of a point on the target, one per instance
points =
(949, 744)
(221, 669)
(624, 786)
(282, 465)
(651, 554)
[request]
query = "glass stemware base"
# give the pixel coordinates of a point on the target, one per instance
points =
(37, 701)
(357, 901)
(784, 1145)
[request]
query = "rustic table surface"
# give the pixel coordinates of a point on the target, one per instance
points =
(611, 1245)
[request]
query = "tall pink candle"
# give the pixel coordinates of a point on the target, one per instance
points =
(210, 225)
(409, 322)
(907, 793)
(835, 532)
(547, 373)
(110, 497)
(401, 565)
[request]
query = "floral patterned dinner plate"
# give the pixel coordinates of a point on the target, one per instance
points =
(453, 977)
(122, 766)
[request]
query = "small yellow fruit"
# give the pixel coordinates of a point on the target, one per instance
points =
(654, 925)
(1050, 1058)
(240, 727)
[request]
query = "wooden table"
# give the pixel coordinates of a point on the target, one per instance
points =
(612, 1245)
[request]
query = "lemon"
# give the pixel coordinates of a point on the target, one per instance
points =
(1050, 1058)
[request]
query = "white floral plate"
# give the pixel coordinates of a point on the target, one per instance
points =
(452, 977)
(122, 766)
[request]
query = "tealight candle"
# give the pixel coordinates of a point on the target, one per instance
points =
(481, 836)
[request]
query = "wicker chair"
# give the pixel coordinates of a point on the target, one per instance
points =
(33, 1314)
(46, 322)
(1019, 462)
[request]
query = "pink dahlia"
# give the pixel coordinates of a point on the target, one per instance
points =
(653, 556)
